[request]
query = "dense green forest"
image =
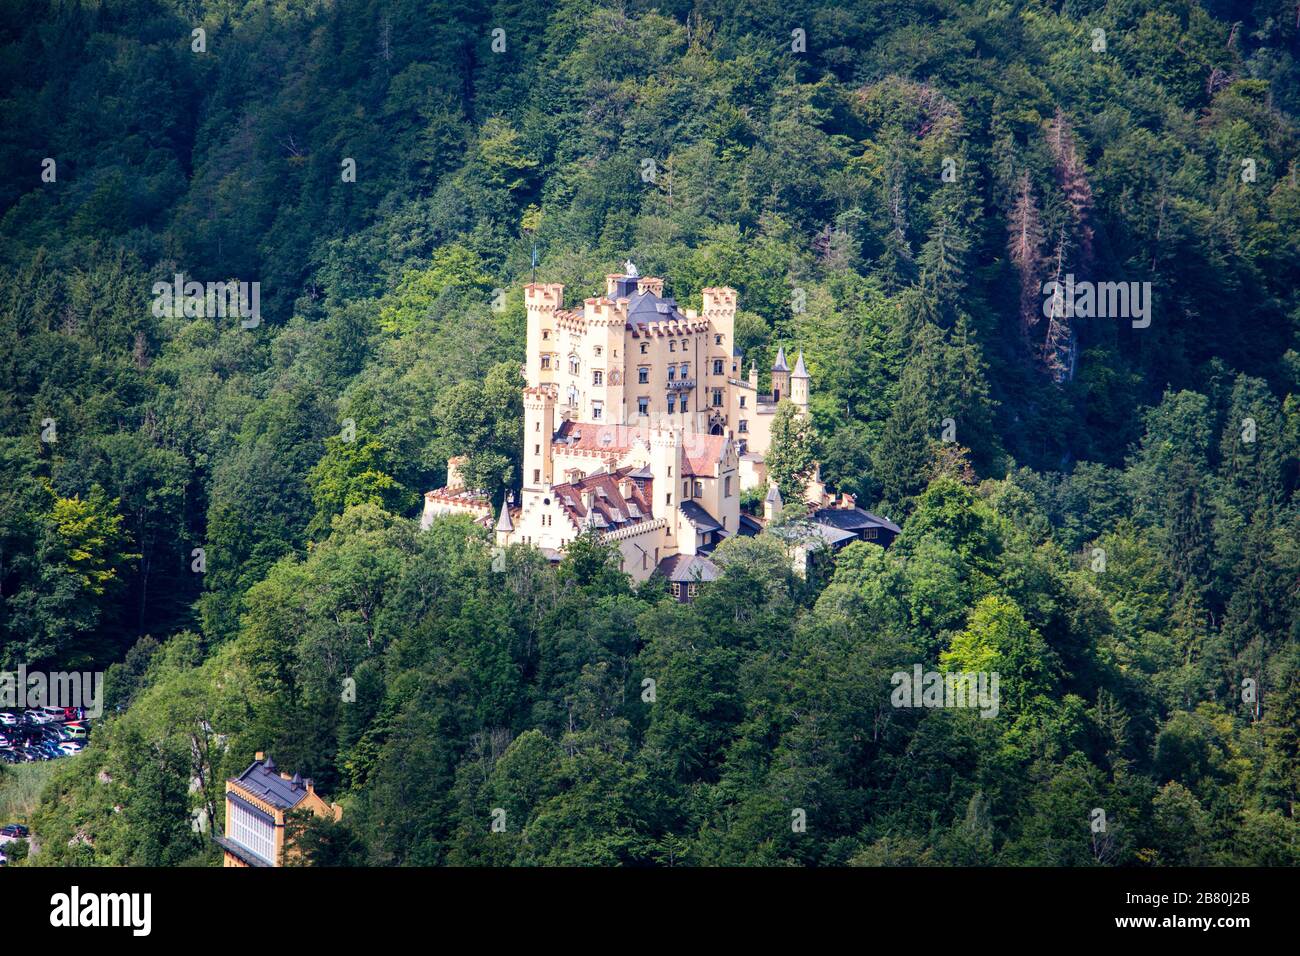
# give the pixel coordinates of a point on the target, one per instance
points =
(1115, 528)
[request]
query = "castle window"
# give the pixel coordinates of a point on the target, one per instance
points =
(672, 404)
(686, 370)
(643, 406)
(645, 346)
(597, 378)
(717, 366)
(598, 350)
(672, 346)
(573, 365)
(717, 340)
(672, 373)
(596, 409)
(699, 490)
(726, 489)
(717, 398)
(686, 489)
(546, 361)
(643, 375)
(546, 333)
(744, 425)
(537, 476)
(668, 498)
(742, 401)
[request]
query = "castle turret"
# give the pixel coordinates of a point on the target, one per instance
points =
(666, 473)
(799, 384)
(505, 526)
(541, 301)
(539, 428)
(780, 377)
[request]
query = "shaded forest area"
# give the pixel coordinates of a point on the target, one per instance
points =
(909, 173)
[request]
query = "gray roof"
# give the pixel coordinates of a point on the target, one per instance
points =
(688, 569)
(643, 307)
(504, 523)
(800, 370)
(779, 365)
(697, 516)
(263, 782)
(774, 495)
(853, 519)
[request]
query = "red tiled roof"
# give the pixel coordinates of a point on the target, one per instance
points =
(699, 452)
(615, 510)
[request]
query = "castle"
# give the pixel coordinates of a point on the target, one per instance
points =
(637, 423)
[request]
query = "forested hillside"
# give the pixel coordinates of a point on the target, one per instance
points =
(1105, 513)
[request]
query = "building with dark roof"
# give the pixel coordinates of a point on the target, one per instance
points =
(257, 803)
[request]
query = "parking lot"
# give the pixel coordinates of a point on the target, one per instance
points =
(47, 733)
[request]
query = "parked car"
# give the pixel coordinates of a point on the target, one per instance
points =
(9, 719)
(54, 713)
(74, 733)
(13, 831)
(71, 747)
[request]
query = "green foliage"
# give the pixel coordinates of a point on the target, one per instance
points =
(1110, 542)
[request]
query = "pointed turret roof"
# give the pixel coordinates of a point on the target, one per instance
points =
(800, 370)
(774, 496)
(504, 523)
(779, 365)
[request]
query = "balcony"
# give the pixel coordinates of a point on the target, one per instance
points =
(681, 385)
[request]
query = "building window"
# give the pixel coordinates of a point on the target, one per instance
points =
(726, 487)
(546, 361)
(668, 498)
(686, 489)
(597, 378)
(672, 404)
(717, 366)
(742, 401)
(717, 398)
(598, 350)
(595, 411)
(537, 476)
(643, 375)
(643, 406)
(672, 373)
(717, 340)
(686, 370)
(537, 449)
(744, 425)
(699, 490)
(645, 347)
(252, 832)
(573, 365)
(691, 591)
(672, 346)
(546, 333)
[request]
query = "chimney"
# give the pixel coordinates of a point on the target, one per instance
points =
(651, 284)
(311, 786)
(259, 756)
(848, 501)
(588, 499)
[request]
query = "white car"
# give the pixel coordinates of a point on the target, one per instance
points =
(71, 747)
(8, 719)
